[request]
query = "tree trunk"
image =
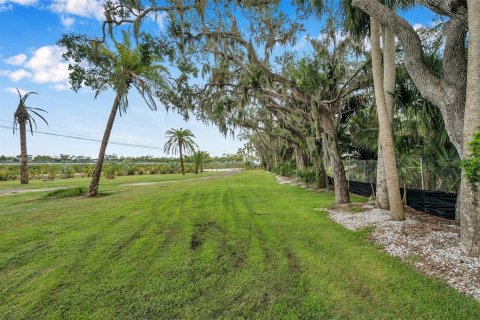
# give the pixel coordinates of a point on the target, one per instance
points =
(330, 141)
(340, 182)
(446, 92)
(385, 132)
(23, 152)
(300, 159)
(381, 196)
(93, 189)
(470, 194)
(321, 175)
(389, 75)
(181, 158)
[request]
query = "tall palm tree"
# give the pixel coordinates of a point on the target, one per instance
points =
(469, 207)
(119, 69)
(180, 141)
(22, 116)
(385, 135)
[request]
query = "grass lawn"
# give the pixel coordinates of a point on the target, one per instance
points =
(236, 247)
(85, 181)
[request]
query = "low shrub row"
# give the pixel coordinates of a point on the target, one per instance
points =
(110, 170)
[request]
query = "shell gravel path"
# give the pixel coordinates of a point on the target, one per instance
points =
(429, 243)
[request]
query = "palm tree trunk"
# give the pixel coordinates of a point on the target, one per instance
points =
(385, 134)
(469, 197)
(93, 189)
(23, 153)
(181, 158)
(389, 75)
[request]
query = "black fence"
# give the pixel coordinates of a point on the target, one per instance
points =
(437, 203)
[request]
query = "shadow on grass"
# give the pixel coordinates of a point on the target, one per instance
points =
(72, 193)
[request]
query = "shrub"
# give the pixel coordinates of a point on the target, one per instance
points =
(284, 169)
(109, 171)
(8, 172)
(51, 172)
(471, 164)
(128, 168)
(308, 176)
(67, 171)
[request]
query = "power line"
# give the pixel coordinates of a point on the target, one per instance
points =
(87, 139)
(53, 130)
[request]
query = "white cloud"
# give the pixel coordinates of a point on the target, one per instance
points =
(82, 8)
(67, 21)
(45, 65)
(20, 2)
(418, 26)
(17, 60)
(18, 75)
(60, 87)
(14, 90)
(8, 4)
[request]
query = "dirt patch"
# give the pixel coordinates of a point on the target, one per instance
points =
(198, 238)
(297, 182)
(196, 241)
(15, 191)
(431, 244)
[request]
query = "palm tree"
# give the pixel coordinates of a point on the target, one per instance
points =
(385, 135)
(22, 116)
(199, 158)
(180, 141)
(120, 69)
(469, 207)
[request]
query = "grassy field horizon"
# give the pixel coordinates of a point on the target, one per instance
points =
(234, 247)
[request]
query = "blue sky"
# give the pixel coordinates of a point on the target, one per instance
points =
(29, 60)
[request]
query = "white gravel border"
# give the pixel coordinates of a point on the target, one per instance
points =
(429, 243)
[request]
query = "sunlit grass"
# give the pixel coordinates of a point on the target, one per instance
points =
(238, 247)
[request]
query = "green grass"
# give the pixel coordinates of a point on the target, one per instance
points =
(354, 208)
(69, 192)
(79, 182)
(238, 247)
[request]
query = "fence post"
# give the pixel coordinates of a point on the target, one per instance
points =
(364, 171)
(421, 173)
(348, 172)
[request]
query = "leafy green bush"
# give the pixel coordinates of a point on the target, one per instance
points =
(110, 170)
(128, 168)
(285, 169)
(471, 164)
(51, 172)
(67, 171)
(9, 172)
(308, 176)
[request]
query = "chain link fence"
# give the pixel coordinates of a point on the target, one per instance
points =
(414, 172)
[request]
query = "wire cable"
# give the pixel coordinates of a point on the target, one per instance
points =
(87, 139)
